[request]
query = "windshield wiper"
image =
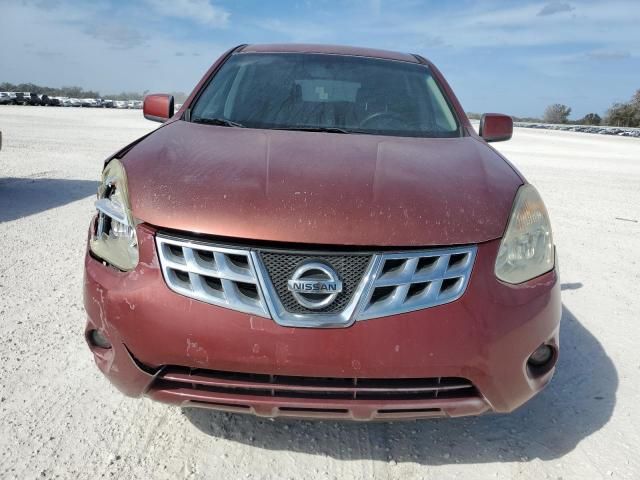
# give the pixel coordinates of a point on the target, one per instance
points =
(316, 129)
(223, 122)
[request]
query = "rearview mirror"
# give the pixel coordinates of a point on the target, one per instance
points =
(495, 127)
(158, 107)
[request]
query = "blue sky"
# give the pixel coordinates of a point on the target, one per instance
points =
(513, 57)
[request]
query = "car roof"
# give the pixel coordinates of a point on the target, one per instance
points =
(328, 49)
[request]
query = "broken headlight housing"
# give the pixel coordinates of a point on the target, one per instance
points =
(114, 237)
(526, 250)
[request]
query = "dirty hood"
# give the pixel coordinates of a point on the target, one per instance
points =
(320, 188)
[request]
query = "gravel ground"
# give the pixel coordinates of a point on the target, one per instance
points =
(61, 419)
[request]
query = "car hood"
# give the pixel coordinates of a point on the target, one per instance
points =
(320, 188)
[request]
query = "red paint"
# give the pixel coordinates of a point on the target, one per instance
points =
(486, 336)
(157, 107)
(495, 127)
(330, 50)
(323, 189)
(385, 190)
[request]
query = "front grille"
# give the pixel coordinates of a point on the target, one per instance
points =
(255, 280)
(319, 388)
(280, 267)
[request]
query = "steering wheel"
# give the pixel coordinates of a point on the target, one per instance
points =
(385, 117)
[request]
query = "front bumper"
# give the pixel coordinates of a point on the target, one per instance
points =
(484, 337)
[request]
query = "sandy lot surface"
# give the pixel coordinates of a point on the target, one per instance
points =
(59, 418)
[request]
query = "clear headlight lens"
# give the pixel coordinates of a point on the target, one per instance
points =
(114, 238)
(527, 248)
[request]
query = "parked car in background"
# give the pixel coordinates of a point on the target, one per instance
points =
(6, 99)
(88, 102)
(75, 102)
(107, 103)
(55, 101)
(120, 104)
(31, 98)
(320, 232)
(20, 98)
(134, 104)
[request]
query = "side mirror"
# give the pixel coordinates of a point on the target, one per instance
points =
(495, 127)
(158, 107)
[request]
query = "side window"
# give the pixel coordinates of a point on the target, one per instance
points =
(443, 115)
(213, 103)
(233, 92)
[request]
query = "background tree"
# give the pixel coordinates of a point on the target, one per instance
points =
(591, 119)
(73, 92)
(635, 100)
(78, 92)
(557, 113)
(623, 115)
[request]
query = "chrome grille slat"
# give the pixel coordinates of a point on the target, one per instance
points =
(198, 271)
(375, 284)
(401, 279)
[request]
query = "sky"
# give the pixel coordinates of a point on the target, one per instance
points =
(513, 57)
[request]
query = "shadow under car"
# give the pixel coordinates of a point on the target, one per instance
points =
(579, 401)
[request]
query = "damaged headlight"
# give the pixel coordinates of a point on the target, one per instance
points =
(114, 237)
(527, 248)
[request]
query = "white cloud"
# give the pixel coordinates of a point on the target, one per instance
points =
(200, 11)
(608, 55)
(71, 46)
(612, 26)
(555, 7)
(298, 31)
(117, 35)
(163, 45)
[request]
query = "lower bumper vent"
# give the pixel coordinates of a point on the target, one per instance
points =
(319, 388)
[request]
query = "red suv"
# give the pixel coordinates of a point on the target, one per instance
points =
(319, 232)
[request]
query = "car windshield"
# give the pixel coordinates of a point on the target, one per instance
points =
(336, 93)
